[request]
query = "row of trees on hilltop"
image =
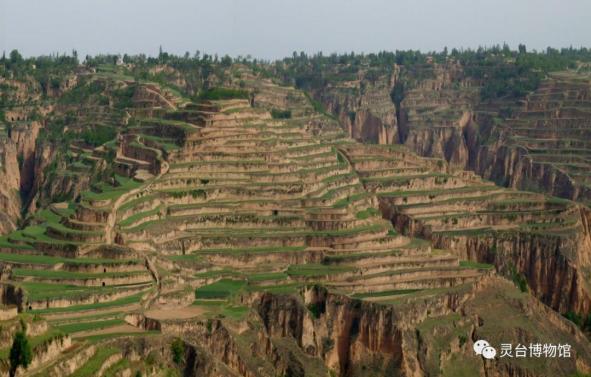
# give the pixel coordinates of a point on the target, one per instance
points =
(48, 70)
(195, 69)
(515, 75)
(502, 71)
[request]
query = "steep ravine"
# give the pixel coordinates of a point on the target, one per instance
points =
(25, 158)
(25, 139)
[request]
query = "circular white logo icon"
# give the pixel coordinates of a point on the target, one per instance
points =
(489, 353)
(480, 345)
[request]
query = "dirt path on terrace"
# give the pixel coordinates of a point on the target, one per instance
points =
(162, 97)
(127, 308)
(126, 328)
(175, 313)
(504, 227)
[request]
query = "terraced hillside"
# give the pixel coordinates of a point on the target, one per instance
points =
(531, 143)
(244, 235)
(544, 238)
(249, 196)
(520, 120)
(545, 145)
(65, 266)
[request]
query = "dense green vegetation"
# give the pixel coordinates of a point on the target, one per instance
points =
(122, 98)
(49, 72)
(584, 322)
(85, 91)
(196, 68)
(20, 352)
(519, 280)
(221, 289)
(216, 94)
(516, 77)
(280, 114)
(98, 135)
(177, 348)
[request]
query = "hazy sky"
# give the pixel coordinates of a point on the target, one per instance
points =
(274, 28)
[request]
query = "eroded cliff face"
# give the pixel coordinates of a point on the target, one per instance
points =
(350, 336)
(319, 333)
(552, 277)
(25, 138)
(442, 142)
(23, 160)
(428, 336)
(364, 107)
(24, 169)
(9, 190)
(46, 179)
(225, 347)
(436, 110)
(428, 108)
